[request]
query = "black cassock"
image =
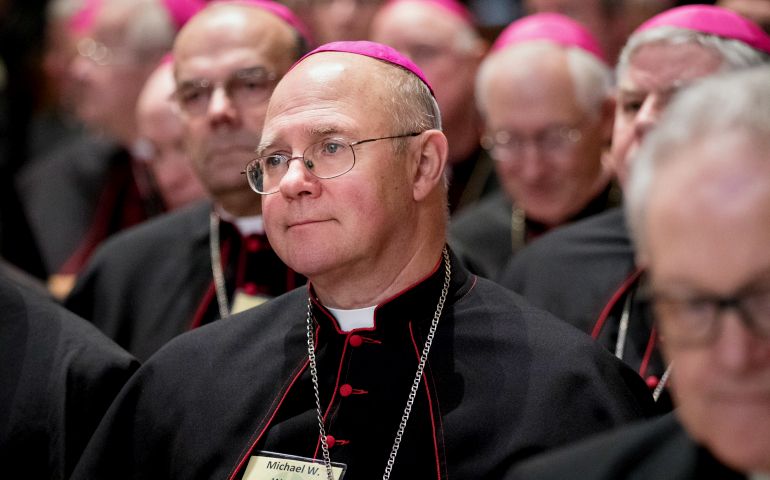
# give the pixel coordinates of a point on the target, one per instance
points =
(58, 375)
(656, 449)
(503, 381)
(147, 285)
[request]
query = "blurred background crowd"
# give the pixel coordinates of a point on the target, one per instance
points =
(85, 152)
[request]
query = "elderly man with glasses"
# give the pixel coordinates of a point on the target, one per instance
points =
(544, 92)
(698, 204)
(392, 343)
(586, 273)
(199, 265)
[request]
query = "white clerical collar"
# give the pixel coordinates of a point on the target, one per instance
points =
(759, 476)
(349, 320)
(245, 225)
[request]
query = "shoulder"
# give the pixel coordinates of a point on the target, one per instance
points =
(58, 376)
(515, 319)
(658, 448)
(577, 250)
(599, 231)
(241, 339)
(54, 332)
(156, 236)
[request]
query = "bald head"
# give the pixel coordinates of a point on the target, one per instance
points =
(227, 60)
(370, 220)
(225, 26)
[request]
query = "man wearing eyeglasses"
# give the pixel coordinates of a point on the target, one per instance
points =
(586, 273)
(698, 203)
(394, 361)
(194, 267)
(544, 92)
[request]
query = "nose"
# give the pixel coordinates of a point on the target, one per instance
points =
(221, 108)
(532, 164)
(298, 181)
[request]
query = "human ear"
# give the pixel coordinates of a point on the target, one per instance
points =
(429, 171)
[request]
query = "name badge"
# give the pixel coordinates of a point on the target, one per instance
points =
(244, 301)
(278, 466)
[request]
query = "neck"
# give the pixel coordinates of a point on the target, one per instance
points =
(240, 204)
(409, 258)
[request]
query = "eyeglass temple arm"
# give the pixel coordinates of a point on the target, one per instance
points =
(413, 134)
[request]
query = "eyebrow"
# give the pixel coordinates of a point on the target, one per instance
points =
(318, 131)
(665, 91)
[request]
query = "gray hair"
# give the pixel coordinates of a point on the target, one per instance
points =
(592, 79)
(736, 102)
(411, 105)
(735, 54)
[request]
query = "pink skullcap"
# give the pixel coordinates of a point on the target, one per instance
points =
(181, 11)
(552, 27)
(713, 20)
(373, 50)
(81, 22)
(452, 7)
(280, 11)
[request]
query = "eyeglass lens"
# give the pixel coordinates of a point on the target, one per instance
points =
(551, 141)
(325, 159)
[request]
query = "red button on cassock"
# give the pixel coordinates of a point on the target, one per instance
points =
(250, 289)
(346, 390)
(652, 382)
(330, 441)
(252, 244)
(356, 341)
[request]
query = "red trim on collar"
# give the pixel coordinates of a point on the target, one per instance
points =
(611, 304)
(648, 352)
(374, 327)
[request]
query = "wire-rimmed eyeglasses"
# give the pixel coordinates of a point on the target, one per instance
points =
(552, 141)
(328, 158)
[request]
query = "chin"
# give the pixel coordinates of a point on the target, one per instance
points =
(738, 436)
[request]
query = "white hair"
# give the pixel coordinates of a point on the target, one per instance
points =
(591, 78)
(736, 55)
(728, 103)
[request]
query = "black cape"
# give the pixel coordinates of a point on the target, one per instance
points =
(503, 381)
(573, 271)
(482, 234)
(584, 273)
(657, 449)
(149, 284)
(58, 375)
(78, 195)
